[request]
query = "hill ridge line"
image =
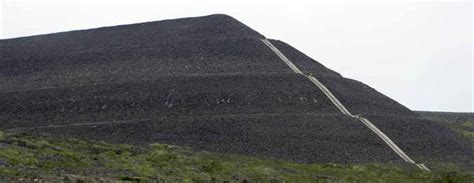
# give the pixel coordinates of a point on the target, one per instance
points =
(343, 109)
(126, 25)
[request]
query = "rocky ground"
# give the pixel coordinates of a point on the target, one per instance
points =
(208, 83)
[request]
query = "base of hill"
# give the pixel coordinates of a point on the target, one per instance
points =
(27, 158)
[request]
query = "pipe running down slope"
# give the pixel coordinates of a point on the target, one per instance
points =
(343, 109)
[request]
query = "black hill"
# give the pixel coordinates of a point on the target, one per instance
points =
(208, 83)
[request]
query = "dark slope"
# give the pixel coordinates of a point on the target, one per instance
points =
(195, 57)
(206, 82)
(298, 137)
(356, 96)
(362, 99)
(167, 96)
(426, 140)
(422, 139)
(213, 26)
(303, 62)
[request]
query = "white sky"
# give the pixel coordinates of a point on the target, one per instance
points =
(418, 53)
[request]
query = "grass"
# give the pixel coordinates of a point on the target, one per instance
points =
(462, 123)
(28, 157)
(466, 129)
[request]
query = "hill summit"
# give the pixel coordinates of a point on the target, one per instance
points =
(210, 83)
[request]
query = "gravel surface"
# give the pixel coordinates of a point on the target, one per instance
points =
(426, 140)
(213, 26)
(362, 99)
(207, 83)
(173, 95)
(303, 62)
(197, 57)
(299, 137)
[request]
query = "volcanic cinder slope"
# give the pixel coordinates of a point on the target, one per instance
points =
(207, 83)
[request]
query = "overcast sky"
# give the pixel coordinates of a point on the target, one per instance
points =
(418, 53)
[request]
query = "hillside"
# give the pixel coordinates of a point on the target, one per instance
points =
(212, 84)
(462, 123)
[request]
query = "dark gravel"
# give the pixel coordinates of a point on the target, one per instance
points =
(174, 95)
(426, 140)
(362, 99)
(197, 57)
(303, 62)
(207, 83)
(298, 137)
(213, 26)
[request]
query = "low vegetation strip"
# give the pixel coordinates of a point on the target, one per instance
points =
(25, 157)
(462, 123)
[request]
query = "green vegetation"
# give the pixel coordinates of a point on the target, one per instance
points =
(462, 123)
(466, 129)
(54, 159)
